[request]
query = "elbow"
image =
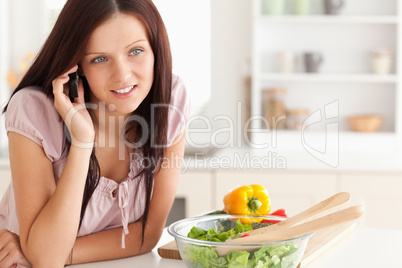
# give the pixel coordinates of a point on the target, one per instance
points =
(151, 241)
(149, 245)
(46, 262)
(41, 259)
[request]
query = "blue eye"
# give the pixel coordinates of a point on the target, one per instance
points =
(99, 59)
(136, 51)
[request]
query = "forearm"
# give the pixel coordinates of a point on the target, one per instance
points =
(106, 245)
(53, 232)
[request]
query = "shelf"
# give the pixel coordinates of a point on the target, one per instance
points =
(345, 39)
(346, 140)
(341, 78)
(325, 19)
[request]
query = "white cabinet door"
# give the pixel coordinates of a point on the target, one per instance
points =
(380, 193)
(195, 187)
(293, 191)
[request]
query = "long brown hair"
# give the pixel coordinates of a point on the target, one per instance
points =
(65, 47)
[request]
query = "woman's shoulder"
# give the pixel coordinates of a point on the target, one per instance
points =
(179, 109)
(32, 104)
(177, 83)
(179, 96)
(32, 99)
(31, 113)
(30, 94)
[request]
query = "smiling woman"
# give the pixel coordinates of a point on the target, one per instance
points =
(120, 73)
(71, 159)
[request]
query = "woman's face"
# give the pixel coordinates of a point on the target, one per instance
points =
(119, 63)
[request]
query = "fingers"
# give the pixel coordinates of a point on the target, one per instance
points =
(14, 257)
(61, 80)
(10, 250)
(61, 101)
(6, 239)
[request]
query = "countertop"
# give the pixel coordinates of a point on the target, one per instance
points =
(297, 160)
(363, 248)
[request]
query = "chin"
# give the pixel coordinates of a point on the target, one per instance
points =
(126, 111)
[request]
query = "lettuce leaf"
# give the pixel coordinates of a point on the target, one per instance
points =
(219, 236)
(237, 259)
(196, 232)
(201, 257)
(285, 256)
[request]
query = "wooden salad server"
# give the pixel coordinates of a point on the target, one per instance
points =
(283, 232)
(325, 206)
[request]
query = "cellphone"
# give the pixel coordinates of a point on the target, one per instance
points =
(73, 91)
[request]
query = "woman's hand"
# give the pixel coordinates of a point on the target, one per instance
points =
(75, 115)
(10, 250)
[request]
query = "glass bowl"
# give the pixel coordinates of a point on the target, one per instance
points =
(202, 253)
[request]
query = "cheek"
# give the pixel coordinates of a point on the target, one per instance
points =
(94, 78)
(147, 68)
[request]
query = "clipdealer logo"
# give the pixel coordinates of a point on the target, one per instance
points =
(270, 160)
(330, 154)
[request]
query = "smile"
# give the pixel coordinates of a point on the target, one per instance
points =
(124, 90)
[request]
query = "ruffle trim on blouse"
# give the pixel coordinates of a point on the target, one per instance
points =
(121, 191)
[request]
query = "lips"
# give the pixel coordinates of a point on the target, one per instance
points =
(124, 92)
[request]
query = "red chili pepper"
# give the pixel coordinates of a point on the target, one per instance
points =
(280, 212)
(270, 221)
(244, 235)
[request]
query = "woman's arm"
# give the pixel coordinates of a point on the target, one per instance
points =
(48, 216)
(106, 244)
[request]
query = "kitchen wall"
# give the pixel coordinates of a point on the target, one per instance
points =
(16, 40)
(23, 39)
(230, 55)
(3, 63)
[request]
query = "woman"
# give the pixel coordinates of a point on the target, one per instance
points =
(93, 179)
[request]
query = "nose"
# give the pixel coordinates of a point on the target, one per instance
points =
(121, 70)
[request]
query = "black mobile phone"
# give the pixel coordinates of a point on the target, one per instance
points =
(73, 91)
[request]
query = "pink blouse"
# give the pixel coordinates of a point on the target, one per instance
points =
(32, 114)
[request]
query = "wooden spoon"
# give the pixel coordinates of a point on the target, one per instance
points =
(285, 232)
(323, 207)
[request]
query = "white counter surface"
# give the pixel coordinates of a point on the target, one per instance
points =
(363, 248)
(297, 160)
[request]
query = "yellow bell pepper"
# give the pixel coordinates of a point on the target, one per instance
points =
(247, 200)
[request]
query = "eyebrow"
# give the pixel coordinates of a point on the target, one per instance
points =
(140, 40)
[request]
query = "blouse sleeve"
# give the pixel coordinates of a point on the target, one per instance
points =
(32, 114)
(179, 109)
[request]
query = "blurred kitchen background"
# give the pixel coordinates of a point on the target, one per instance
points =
(301, 96)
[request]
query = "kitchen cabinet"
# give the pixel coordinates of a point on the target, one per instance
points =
(379, 192)
(294, 191)
(345, 79)
(195, 187)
